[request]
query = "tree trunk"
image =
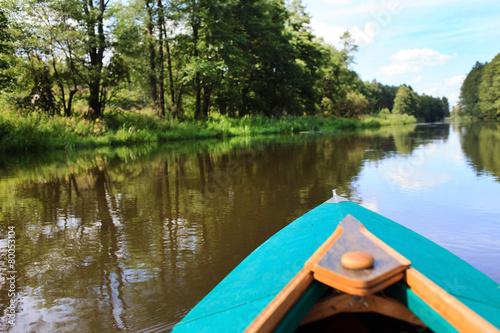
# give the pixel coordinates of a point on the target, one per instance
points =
(94, 102)
(72, 93)
(160, 56)
(61, 87)
(207, 92)
(197, 87)
(178, 100)
(243, 111)
(197, 83)
(152, 57)
(173, 104)
(96, 54)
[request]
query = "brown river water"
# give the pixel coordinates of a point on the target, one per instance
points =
(130, 239)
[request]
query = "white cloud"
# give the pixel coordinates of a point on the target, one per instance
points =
(425, 56)
(329, 33)
(455, 81)
(348, 8)
(413, 61)
(420, 181)
(332, 34)
(429, 91)
(447, 87)
(365, 36)
(453, 99)
(400, 68)
(427, 3)
(418, 78)
(338, 2)
(371, 204)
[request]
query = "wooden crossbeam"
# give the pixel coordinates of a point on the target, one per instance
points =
(347, 303)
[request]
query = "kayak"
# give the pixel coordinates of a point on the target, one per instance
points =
(342, 267)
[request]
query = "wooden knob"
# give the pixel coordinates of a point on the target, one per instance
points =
(357, 260)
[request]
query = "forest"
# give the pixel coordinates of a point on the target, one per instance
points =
(185, 60)
(480, 91)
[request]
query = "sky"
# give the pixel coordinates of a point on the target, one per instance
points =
(430, 45)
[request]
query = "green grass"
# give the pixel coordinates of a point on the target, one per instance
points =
(391, 119)
(38, 132)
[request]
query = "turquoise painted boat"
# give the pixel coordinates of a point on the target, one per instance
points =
(342, 267)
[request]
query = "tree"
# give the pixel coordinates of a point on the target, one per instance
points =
(372, 91)
(308, 59)
(93, 18)
(349, 48)
(356, 104)
(255, 56)
(130, 38)
(489, 90)
(387, 96)
(235, 57)
(432, 109)
(341, 88)
(151, 42)
(174, 98)
(31, 52)
(4, 50)
(469, 92)
(161, 79)
(68, 38)
(65, 49)
(405, 101)
(446, 107)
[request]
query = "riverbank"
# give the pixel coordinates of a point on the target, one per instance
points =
(38, 132)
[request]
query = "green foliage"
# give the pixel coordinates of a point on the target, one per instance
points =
(344, 94)
(356, 104)
(387, 96)
(128, 99)
(373, 93)
(480, 92)
(385, 112)
(489, 90)
(469, 92)
(431, 109)
(480, 142)
(406, 101)
(4, 51)
(61, 44)
(385, 119)
(33, 91)
(446, 107)
(4, 34)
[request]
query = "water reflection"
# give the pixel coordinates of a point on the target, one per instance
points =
(481, 144)
(130, 239)
(434, 191)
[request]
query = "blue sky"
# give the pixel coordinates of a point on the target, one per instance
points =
(428, 44)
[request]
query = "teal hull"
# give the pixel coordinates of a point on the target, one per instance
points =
(237, 300)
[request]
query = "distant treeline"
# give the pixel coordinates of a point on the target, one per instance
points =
(186, 59)
(480, 92)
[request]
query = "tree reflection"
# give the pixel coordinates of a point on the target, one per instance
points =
(481, 144)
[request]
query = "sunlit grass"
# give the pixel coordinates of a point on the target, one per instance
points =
(38, 132)
(390, 119)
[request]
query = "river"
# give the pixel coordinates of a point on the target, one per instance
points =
(130, 239)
